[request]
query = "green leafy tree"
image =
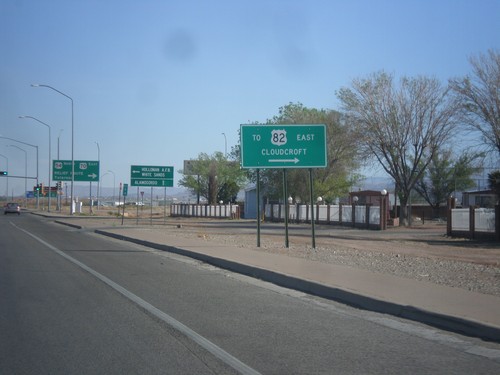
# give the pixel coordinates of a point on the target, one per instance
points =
(400, 125)
(330, 182)
(214, 177)
(445, 175)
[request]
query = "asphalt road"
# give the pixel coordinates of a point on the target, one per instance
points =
(72, 302)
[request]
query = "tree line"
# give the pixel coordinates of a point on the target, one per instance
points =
(412, 127)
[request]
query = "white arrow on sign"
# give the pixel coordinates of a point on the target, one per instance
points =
(284, 160)
(93, 175)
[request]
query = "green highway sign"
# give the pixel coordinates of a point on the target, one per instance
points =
(283, 146)
(153, 176)
(53, 194)
(85, 170)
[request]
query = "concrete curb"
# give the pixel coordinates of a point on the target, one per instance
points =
(68, 224)
(441, 321)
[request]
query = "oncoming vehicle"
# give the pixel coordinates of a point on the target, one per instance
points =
(12, 208)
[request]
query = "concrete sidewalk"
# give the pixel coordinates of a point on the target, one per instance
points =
(448, 308)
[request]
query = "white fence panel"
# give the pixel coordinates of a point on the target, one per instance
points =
(267, 210)
(374, 215)
(195, 210)
(322, 213)
(360, 212)
(276, 211)
(460, 219)
(304, 212)
(484, 219)
(346, 214)
(326, 213)
(334, 213)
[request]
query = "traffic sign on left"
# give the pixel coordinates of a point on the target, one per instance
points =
(85, 170)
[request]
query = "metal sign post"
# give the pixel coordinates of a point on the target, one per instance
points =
(125, 193)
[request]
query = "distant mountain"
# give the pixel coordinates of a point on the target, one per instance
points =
(375, 183)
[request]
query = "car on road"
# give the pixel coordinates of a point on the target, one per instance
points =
(12, 208)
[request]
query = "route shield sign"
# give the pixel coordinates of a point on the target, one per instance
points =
(85, 170)
(154, 176)
(283, 146)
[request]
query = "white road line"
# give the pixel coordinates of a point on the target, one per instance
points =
(218, 352)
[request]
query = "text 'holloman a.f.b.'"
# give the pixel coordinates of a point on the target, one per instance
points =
(154, 176)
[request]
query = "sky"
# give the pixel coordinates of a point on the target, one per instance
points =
(157, 82)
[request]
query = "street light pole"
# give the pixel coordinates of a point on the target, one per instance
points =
(59, 195)
(50, 154)
(102, 176)
(25, 174)
(98, 173)
(72, 141)
(114, 186)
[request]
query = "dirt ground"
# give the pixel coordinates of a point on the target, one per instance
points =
(428, 240)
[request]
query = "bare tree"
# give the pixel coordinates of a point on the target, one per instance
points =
(401, 126)
(479, 96)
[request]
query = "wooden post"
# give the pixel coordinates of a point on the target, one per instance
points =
(472, 222)
(497, 222)
(449, 225)
(353, 215)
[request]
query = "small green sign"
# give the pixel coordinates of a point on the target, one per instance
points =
(53, 194)
(125, 190)
(283, 146)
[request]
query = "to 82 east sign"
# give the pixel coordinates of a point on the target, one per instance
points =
(283, 146)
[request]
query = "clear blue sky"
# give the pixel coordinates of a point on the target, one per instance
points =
(158, 82)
